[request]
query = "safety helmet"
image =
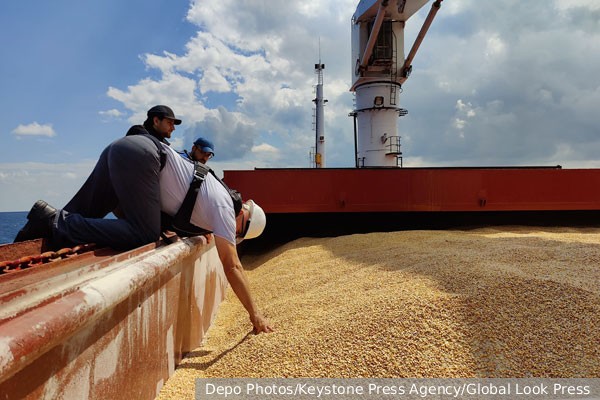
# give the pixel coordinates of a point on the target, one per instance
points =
(257, 220)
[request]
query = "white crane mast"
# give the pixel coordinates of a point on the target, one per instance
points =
(379, 69)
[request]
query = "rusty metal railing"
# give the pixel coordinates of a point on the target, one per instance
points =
(37, 260)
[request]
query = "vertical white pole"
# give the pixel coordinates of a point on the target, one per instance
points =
(319, 118)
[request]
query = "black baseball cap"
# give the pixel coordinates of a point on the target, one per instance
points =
(164, 112)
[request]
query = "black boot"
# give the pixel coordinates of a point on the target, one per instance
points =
(39, 224)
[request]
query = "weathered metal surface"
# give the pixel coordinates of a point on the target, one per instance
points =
(418, 189)
(103, 325)
(38, 259)
(13, 251)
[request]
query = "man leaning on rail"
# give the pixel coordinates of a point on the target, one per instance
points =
(141, 176)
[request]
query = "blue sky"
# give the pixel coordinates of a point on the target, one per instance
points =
(61, 57)
(494, 83)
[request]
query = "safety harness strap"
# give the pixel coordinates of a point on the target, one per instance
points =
(181, 221)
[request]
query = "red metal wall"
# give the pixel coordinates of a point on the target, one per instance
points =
(106, 326)
(419, 189)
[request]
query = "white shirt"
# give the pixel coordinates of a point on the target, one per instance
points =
(213, 209)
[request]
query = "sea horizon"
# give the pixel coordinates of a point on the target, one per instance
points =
(10, 223)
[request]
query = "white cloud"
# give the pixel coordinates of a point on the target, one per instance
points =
(262, 62)
(458, 6)
(232, 133)
(492, 82)
(459, 123)
(505, 82)
(34, 129)
(592, 5)
(495, 47)
(175, 90)
(264, 148)
(213, 81)
(112, 113)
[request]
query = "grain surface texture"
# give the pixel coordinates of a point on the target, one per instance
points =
(493, 302)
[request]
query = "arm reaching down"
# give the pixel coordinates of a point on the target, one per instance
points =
(234, 271)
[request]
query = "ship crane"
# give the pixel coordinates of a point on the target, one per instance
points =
(379, 71)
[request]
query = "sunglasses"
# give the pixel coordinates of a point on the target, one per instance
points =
(210, 155)
(245, 226)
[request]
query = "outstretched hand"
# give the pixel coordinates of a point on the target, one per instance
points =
(261, 324)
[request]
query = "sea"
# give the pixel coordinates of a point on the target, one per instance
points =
(10, 223)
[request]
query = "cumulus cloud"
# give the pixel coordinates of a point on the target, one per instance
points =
(179, 90)
(251, 81)
(34, 129)
(493, 83)
(519, 78)
(230, 132)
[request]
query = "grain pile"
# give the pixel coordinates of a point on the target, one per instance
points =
(493, 302)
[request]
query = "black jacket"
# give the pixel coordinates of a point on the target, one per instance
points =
(144, 130)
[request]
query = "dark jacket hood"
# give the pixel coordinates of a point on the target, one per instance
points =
(143, 130)
(136, 130)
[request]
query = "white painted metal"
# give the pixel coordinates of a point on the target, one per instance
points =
(399, 10)
(377, 126)
(319, 118)
(114, 329)
(377, 76)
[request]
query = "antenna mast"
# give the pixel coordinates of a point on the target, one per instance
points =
(319, 115)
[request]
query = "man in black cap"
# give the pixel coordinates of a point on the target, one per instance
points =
(202, 151)
(126, 176)
(161, 128)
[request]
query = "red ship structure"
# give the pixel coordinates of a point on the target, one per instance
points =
(379, 193)
(92, 322)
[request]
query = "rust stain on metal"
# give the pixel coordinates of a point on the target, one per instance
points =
(35, 260)
(85, 324)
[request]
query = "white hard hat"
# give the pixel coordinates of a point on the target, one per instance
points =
(257, 221)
